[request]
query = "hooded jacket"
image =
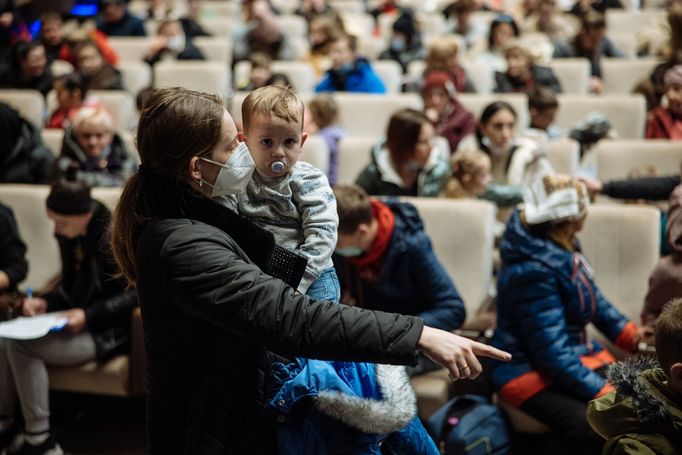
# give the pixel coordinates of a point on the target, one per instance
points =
(12, 249)
(411, 280)
(661, 124)
(458, 124)
(88, 281)
(665, 282)
(361, 78)
(356, 407)
(380, 178)
(642, 416)
(546, 296)
(23, 157)
(119, 164)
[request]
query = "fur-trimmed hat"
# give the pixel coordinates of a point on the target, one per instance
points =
(555, 198)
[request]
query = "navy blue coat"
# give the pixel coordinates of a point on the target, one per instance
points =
(412, 281)
(546, 297)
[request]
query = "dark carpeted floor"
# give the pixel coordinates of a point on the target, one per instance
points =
(98, 425)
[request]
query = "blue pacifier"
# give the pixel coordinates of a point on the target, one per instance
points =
(277, 167)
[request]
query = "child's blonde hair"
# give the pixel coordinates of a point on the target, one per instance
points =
(273, 100)
(464, 163)
(324, 109)
(440, 50)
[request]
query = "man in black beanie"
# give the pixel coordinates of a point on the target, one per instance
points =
(96, 303)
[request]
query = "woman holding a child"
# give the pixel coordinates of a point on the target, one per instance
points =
(210, 302)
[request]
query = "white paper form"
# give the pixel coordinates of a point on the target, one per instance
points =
(33, 327)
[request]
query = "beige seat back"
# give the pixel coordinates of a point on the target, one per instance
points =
(107, 196)
(61, 68)
(461, 232)
(205, 76)
(368, 115)
(564, 156)
(53, 138)
(119, 103)
(292, 25)
(131, 48)
(217, 49)
(623, 21)
(316, 152)
(620, 76)
(354, 155)
(129, 141)
(627, 113)
(300, 74)
(29, 103)
(136, 76)
(616, 159)
(36, 229)
(622, 244)
(626, 42)
(219, 26)
(390, 73)
(573, 74)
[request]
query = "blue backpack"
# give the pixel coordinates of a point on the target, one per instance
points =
(469, 425)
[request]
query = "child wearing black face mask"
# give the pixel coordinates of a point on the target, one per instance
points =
(405, 45)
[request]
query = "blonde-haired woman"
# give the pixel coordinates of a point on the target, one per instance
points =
(444, 56)
(92, 146)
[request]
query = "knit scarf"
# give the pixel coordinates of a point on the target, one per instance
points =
(370, 263)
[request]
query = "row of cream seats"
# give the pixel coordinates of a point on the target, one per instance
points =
(361, 114)
(620, 241)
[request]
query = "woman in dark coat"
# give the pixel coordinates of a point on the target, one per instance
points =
(210, 304)
(523, 75)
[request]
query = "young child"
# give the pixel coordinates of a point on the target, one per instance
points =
(644, 414)
(71, 92)
(325, 114)
(321, 406)
(472, 178)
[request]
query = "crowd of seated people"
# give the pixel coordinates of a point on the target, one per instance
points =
(546, 292)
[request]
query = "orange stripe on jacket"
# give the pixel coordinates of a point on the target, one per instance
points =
(598, 360)
(521, 388)
(626, 339)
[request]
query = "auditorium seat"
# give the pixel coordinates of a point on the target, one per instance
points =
(123, 375)
(461, 231)
(622, 244)
(136, 76)
(573, 74)
(119, 103)
(368, 115)
(316, 152)
(29, 103)
(215, 49)
(616, 159)
(354, 155)
(292, 25)
(620, 76)
(626, 42)
(219, 26)
(627, 113)
(130, 48)
(564, 156)
(60, 68)
(632, 22)
(210, 77)
(53, 138)
(359, 24)
(390, 73)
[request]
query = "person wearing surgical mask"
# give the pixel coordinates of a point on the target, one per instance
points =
(516, 161)
(409, 161)
(385, 262)
(217, 291)
(171, 43)
(405, 45)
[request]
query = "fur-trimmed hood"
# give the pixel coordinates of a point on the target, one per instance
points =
(642, 404)
(374, 399)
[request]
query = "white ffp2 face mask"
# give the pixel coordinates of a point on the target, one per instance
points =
(235, 174)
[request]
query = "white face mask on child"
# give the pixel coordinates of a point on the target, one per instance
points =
(235, 174)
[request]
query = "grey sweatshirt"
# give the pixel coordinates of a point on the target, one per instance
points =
(300, 210)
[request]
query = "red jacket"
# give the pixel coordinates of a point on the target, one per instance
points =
(661, 125)
(459, 124)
